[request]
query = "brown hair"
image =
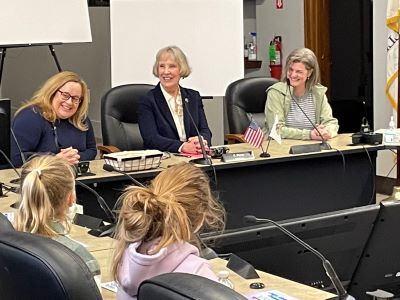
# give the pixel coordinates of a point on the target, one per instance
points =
(308, 58)
(43, 99)
(46, 182)
(175, 207)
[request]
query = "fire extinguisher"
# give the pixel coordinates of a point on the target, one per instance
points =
(275, 57)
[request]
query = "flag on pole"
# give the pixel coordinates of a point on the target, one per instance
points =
(274, 133)
(392, 22)
(254, 135)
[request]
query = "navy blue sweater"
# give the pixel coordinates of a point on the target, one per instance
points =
(35, 134)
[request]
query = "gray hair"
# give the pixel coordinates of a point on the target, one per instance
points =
(179, 57)
(308, 58)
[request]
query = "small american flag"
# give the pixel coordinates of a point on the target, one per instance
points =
(254, 135)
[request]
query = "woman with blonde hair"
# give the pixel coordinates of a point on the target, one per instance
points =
(47, 192)
(158, 228)
(55, 120)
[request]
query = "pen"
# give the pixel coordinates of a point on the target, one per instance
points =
(180, 154)
(276, 296)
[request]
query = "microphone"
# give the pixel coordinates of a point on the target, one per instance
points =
(110, 168)
(3, 112)
(12, 165)
(23, 158)
(107, 230)
(341, 292)
(307, 148)
(201, 161)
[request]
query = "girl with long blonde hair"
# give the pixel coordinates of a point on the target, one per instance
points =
(158, 228)
(47, 192)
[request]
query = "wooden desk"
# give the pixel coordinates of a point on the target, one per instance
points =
(101, 249)
(280, 187)
(271, 282)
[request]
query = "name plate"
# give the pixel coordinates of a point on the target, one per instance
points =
(238, 156)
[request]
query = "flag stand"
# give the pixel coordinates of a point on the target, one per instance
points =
(265, 153)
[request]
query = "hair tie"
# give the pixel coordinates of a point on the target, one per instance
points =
(38, 171)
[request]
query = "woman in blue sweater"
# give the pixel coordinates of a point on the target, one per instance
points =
(55, 121)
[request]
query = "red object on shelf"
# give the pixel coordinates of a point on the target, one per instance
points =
(276, 71)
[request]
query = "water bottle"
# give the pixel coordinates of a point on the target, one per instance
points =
(253, 46)
(223, 278)
(390, 133)
(392, 125)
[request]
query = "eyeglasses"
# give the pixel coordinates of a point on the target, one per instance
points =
(66, 96)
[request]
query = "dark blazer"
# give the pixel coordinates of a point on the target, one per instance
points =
(35, 134)
(157, 125)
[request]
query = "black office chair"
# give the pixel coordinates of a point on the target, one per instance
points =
(245, 99)
(119, 122)
(35, 267)
(5, 224)
(183, 286)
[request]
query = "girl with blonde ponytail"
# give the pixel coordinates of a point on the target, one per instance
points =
(47, 192)
(158, 228)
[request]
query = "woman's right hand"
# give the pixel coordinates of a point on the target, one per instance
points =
(193, 145)
(69, 154)
(189, 147)
(326, 135)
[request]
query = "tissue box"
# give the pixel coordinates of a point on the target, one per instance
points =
(129, 161)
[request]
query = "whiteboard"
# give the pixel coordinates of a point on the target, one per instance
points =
(25, 22)
(210, 33)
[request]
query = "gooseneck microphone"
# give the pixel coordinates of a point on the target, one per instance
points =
(110, 168)
(341, 292)
(21, 154)
(201, 161)
(16, 180)
(106, 230)
(11, 164)
(324, 144)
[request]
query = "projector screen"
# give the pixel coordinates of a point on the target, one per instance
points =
(210, 33)
(25, 22)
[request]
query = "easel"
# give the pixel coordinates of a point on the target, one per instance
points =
(3, 52)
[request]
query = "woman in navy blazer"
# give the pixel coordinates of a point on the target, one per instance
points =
(163, 119)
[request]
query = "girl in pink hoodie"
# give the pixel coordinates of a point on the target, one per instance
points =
(158, 228)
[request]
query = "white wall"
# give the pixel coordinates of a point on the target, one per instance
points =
(204, 41)
(382, 107)
(287, 22)
(25, 69)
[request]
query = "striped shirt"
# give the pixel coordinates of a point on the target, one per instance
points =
(296, 118)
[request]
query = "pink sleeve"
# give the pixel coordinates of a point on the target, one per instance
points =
(206, 271)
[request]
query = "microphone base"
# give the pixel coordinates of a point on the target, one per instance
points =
(325, 146)
(347, 297)
(106, 230)
(201, 161)
(15, 181)
(308, 148)
(265, 154)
